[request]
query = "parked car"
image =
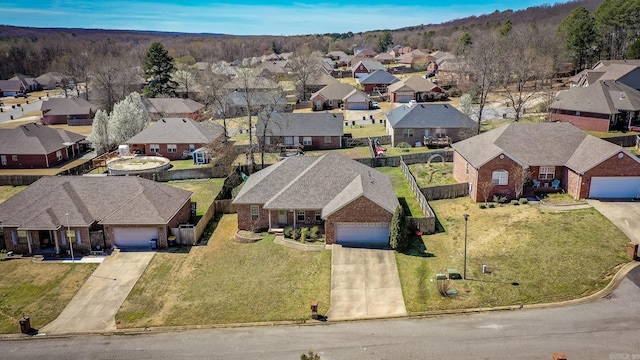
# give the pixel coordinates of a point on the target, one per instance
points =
(21, 95)
(375, 105)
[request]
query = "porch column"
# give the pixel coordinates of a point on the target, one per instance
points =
(54, 235)
(29, 241)
(295, 218)
(269, 219)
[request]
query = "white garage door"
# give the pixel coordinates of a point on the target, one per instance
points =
(363, 234)
(356, 106)
(134, 236)
(614, 187)
(404, 98)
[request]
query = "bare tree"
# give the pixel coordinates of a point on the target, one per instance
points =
(523, 64)
(485, 188)
(273, 102)
(306, 67)
(215, 97)
(114, 77)
(521, 176)
(484, 69)
(185, 81)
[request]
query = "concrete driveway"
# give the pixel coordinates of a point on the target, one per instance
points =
(94, 307)
(364, 284)
(623, 214)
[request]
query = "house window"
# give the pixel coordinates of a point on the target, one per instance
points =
(192, 147)
(467, 168)
(327, 139)
(288, 140)
(267, 140)
(331, 103)
(3, 159)
(154, 148)
(172, 148)
(500, 177)
(255, 212)
(306, 140)
(408, 133)
(547, 173)
(577, 113)
(300, 215)
(441, 132)
(14, 157)
(59, 155)
(71, 236)
(23, 236)
(318, 216)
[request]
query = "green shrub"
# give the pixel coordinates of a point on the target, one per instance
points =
(491, 205)
(515, 202)
(295, 234)
(315, 233)
(399, 237)
(523, 201)
(482, 206)
(304, 233)
(287, 232)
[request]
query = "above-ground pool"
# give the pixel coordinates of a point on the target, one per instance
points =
(138, 165)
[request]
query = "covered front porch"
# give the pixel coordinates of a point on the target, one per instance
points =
(283, 218)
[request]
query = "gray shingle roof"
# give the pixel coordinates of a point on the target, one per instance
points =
(544, 144)
(428, 116)
(66, 106)
(336, 91)
(413, 83)
(379, 77)
(178, 131)
(602, 97)
(371, 65)
(301, 124)
(35, 139)
(108, 200)
(257, 98)
(171, 105)
(328, 182)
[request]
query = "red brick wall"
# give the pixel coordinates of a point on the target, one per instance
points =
(614, 166)
(78, 249)
(33, 161)
(245, 222)
(463, 172)
(583, 123)
(359, 210)
(163, 150)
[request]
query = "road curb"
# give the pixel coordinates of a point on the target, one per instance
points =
(606, 291)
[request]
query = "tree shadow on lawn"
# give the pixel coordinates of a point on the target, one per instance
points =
(417, 247)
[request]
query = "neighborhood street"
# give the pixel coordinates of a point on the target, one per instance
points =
(605, 329)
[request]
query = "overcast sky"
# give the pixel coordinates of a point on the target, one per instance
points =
(244, 17)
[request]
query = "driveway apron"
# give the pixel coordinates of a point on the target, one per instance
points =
(364, 284)
(95, 305)
(623, 214)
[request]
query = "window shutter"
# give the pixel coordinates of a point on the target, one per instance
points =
(64, 237)
(14, 237)
(78, 237)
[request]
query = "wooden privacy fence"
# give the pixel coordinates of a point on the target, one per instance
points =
(428, 225)
(409, 159)
(445, 191)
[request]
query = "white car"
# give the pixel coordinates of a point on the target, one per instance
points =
(412, 103)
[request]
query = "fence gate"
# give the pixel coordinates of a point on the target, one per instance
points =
(186, 234)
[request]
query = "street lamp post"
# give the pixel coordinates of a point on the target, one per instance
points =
(68, 237)
(466, 222)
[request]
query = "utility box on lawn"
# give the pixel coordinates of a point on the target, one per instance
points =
(632, 250)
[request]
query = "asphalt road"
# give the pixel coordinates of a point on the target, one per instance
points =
(605, 329)
(19, 111)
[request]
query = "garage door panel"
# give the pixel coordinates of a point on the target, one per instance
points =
(134, 236)
(368, 234)
(614, 187)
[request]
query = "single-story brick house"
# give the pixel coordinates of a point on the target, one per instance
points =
(377, 82)
(159, 108)
(34, 146)
(175, 138)
(71, 111)
(315, 131)
(602, 106)
(339, 95)
(350, 201)
(429, 124)
(11, 87)
(365, 67)
(415, 88)
(57, 212)
(503, 160)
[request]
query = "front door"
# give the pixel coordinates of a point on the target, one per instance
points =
(3, 160)
(282, 216)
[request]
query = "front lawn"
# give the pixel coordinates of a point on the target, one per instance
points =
(551, 255)
(228, 282)
(433, 174)
(38, 290)
(403, 190)
(7, 191)
(204, 191)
